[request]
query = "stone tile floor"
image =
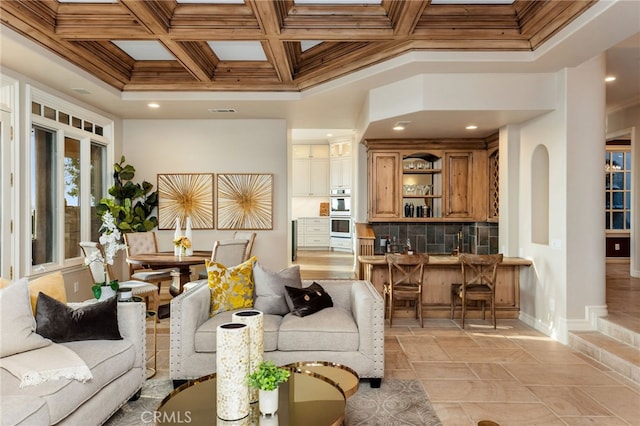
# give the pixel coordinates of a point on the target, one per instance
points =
(513, 375)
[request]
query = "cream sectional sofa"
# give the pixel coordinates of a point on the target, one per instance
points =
(350, 333)
(118, 369)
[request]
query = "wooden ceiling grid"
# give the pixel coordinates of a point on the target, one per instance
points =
(352, 36)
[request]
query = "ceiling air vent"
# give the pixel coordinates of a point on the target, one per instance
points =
(222, 110)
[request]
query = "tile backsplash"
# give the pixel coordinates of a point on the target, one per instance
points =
(441, 238)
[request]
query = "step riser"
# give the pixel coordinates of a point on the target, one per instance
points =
(619, 333)
(617, 364)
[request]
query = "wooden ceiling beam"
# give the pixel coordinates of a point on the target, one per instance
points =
(405, 15)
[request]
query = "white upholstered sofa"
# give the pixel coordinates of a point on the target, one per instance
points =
(350, 333)
(118, 370)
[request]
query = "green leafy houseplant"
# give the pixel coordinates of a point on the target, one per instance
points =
(132, 203)
(268, 376)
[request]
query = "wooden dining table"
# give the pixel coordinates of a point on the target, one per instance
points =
(181, 264)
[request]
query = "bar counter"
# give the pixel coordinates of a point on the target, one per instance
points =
(440, 273)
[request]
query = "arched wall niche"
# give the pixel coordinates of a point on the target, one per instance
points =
(540, 195)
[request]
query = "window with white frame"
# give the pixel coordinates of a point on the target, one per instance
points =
(617, 168)
(68, 153)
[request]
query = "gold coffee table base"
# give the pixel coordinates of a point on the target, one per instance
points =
(343, 376)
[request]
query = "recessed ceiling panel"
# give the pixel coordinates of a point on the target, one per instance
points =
(337, 2)
(472, 1)
(308, 44)
(144, 50)
(238, 50)
(212, 1)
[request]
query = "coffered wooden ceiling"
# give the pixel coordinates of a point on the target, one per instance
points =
(344, 36)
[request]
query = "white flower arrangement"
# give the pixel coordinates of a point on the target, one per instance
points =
(110, 241)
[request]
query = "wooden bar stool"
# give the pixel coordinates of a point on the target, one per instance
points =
(406, 275)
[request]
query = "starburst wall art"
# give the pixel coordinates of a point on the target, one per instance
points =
(245, 201)
(181, 195)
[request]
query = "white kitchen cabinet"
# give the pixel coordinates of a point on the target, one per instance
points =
(340, 164)
(310, 170)
(313, 232)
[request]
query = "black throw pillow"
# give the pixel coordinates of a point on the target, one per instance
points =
(61, 323)
(309, 300)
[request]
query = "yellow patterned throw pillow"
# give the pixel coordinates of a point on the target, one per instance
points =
(231, 287)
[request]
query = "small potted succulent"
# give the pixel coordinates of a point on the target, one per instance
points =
(266, 378)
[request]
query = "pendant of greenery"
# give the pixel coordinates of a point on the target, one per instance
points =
(132, 203)
(268, 376)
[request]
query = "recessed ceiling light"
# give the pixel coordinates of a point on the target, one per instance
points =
(81, 90)
(224, 110)
(153, 105)
(471, 127)
(329, 135)
(400, 125)
(609, 78)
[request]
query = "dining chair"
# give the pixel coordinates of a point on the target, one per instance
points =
(250, 237)
(479, 272)
(138, 288)
(406, 275)
(227, 252)
(145, 242)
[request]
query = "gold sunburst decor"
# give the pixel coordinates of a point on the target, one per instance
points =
(245, 201)
(185, 195)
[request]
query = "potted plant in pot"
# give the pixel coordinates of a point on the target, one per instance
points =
(266, 378)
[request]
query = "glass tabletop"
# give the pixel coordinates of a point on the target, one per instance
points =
(305, 399)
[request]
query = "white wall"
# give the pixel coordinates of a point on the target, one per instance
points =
(567, 283)
(217, 146)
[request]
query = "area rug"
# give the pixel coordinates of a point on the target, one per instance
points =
(396, 402)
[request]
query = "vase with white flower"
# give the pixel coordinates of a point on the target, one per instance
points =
(109, 245)
(182, 243)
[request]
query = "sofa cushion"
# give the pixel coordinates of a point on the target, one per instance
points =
(307, 301)
(269, 292)
(17, 325)
(205, 339)
(24, 409)
(231, 287)
(61, 323)
(51, 284)
(107, 359)
(331, 329)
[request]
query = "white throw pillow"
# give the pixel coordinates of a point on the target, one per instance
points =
(17, 324)
(269, 288)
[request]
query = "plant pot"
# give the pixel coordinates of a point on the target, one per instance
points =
(107, 292)
(268, 401)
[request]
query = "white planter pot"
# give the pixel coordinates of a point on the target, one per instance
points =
(268, 401)
(107, 292)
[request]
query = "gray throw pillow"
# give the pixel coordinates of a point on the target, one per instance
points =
(269, 288)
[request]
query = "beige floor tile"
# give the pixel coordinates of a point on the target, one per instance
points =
(594, 421)
(493, 341)
(399, 374)
(456, 342)
(391, 344)
(490, 355)
(436, 370)
(452, 414)
(422, 348)
(569, 401)
(396, 360)
(620, 400)
(563, 356)
(477, 391)
(514, 414)
(487, 371)
(558, 374)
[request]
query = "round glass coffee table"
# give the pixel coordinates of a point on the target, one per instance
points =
(306, 399)
(343, 376)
